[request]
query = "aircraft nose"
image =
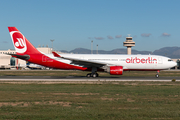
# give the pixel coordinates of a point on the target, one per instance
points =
(175, 64)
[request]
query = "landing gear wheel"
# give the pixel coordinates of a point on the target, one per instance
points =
(97, 75)
(88, 75)
(157, 76)
(94, 75)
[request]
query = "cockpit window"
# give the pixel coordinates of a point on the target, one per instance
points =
(170, 60)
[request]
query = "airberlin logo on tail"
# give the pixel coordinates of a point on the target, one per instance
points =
(19, 41)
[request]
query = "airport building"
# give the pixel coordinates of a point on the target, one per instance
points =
(9, 62)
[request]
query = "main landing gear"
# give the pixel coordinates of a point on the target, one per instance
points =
(93, 73)
(157, 75)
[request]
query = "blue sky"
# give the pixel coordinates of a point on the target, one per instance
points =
(153, 24)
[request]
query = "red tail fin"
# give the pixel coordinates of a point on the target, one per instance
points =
(21, 44)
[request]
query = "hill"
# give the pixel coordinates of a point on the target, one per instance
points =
(172, 52)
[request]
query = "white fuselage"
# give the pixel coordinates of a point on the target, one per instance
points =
(129, 62)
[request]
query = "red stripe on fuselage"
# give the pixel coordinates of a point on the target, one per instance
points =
(44, 60)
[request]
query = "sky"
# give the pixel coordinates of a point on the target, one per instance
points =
(153, 24)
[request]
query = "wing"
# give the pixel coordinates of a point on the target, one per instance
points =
(82, 62)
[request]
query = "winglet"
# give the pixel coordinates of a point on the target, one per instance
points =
(55, 54)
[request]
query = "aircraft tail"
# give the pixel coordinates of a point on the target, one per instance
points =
(21, 44)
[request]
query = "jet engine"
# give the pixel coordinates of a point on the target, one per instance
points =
(115, 70)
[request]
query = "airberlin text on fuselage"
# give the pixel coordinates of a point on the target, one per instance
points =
(141, 60)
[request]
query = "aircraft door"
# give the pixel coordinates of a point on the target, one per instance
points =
(44, 58)
(160, 61)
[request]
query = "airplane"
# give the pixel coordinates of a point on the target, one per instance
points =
(113, 64)
(35, 66)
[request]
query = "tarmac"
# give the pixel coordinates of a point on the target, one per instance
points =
(82, 79)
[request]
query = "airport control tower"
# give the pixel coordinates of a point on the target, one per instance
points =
(129, 43)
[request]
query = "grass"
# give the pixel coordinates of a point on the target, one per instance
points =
(108, 101)
(82, 73)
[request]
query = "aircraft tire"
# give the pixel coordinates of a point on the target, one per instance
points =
(88, 75)
(97, 75)
(94, 75)
(157, 76)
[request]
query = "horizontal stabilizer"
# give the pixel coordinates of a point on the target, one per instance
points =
(24, 57)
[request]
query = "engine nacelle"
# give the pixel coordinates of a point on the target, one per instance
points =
(115, 70)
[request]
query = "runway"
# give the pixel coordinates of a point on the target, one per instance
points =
(82, 79)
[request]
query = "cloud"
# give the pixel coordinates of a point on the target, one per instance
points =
(145, 34)
(90, 38)
(110, 37)
(166, 35)
(118, 36)
(99, 38)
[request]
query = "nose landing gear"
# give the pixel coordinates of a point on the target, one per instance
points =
(157, 75)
